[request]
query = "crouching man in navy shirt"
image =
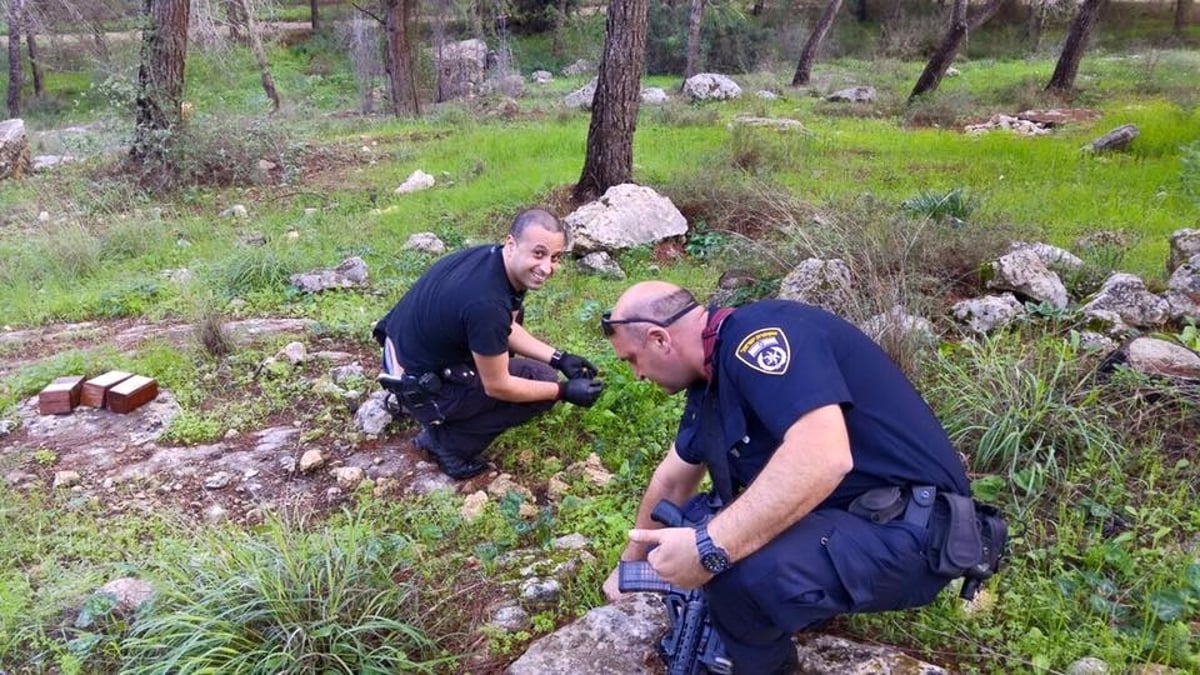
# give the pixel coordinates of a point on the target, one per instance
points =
(824, 461)
(447, 345)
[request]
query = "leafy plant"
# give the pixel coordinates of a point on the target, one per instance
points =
(956, 205)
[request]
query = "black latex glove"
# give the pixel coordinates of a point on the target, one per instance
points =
(574, 367)
(580, 391)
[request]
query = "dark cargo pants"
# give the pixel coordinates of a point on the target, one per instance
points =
(831, 562)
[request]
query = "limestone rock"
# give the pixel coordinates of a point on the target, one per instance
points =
(311, 460)
(1022, 271)
(1117, 139)
(425, 242)
(627, 215)
(462, 67)
(14, 149)
(1127, 297)
(711, 87)
(616, 639)
(1183, 291)
(350, 273)
(853, 95)
(1185, 243)
(829, 655)
(1159, 357)
(129, 593)
(602, 264)
(986, 314)
(582, 98)
(654, 96)
(824, 283)
(418, 180)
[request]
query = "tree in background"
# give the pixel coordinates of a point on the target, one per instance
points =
(158, 106)
(399, 59)
(314, 11)
(940, 62)
(695, 19)
(1063, 79)
(809, 54)
(609, 158)
(15, 74)
(1183, 8)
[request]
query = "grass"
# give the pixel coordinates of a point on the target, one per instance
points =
(1091, 467)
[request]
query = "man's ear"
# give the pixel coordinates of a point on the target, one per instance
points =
(658, 337)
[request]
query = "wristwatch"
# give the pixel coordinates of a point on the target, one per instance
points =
(712, 557)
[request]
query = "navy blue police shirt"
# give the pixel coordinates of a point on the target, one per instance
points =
(777, 360)
(464, 303)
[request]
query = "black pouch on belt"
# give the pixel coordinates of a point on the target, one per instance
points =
(955, 542)
(880, 505)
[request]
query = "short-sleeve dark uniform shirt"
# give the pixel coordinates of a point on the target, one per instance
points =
(777, 360)
(464, 303)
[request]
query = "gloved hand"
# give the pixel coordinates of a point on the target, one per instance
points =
(580, 391)
(574, 367)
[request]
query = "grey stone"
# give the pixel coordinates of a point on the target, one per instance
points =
(424, 242)
(1185, 244)
(541, 591)
(853, 95)
(1088, 665)
(373, 416)
(14, 149)
(541, 77)
(829, 655)
(310, 460)
(294, 353)
(462, 67)
(899, 324)
(776, 123)
(1183, 291)
(1117, 139)
(348, 477)
(350, 273)
(42, 163)
(986, 314)
(1126, 296)
(237, 211)
(129, 593)
(654, 96)
(1023, 271)
(417, 180)
(582, 98)
(616, 639)
(218, 480)
(1053, 257)
(602, 264)
(824, 283)
(343, 374)
(511, 618)
(711, 87)
(1159, 357)
(627, 215)
(66, 479)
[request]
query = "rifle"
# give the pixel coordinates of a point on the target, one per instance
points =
(691, 646)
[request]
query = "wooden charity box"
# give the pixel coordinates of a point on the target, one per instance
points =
(60, 396)
(130, 394)
(95, 388)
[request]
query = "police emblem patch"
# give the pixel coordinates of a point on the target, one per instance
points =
(766, 350)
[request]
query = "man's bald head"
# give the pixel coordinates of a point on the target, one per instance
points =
(657, 300)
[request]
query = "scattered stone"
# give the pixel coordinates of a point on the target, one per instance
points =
(334, 495)
(294, 353)
(343, 374)
(824, 283)
(287, 464)
(829, 654)
(616, 638)
(215, 513)
(43, 163)
(1055, 117)
(1022, 271)
(1166, 359)
(766, 95)
(310, 460)
(1007, 122)
(1185, 244)
(373, 415)
(541, 591)
(897, 324)
(473, 506)
(1183, 291)
(627, 216)
(1115, 140)
(582, 98)
(129, 593)
(424, 242)
(571, 542)
(592, 470)
(953, 72)
(418, 180)
(218, 480)
(541, 77)
(237, 211)
(1053, 257)
(14, 149)
(66, 479)
(580, 67)
(1126, 296)
(853, 95)
(511, 618)
(348, 477)
(602, 264)
(504, 483)
(986, 314)
(181, 276)
(711, 87)
(1088, 665)
(776, 123)
(462, 68)
(1091, 341)
(654, 96)
(351, 273)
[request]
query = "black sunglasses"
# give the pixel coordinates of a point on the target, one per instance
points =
(607, 322)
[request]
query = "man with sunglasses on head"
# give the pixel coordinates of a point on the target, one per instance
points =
(825, 464)
(447, 346)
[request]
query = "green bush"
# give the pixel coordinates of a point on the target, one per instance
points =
(730, 41)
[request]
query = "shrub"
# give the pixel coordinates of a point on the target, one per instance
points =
(250, 269)
(957, 205)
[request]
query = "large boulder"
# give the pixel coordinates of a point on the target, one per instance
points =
(829, 655)
(1183, 291)
(616, 639)
(711, 87)
(853, 95)
(628, 215)
(1126, 296)
(462, 68)
(1165, 359)
(582, 97)
(14, 149)
(1185, 243)
(1022, 271)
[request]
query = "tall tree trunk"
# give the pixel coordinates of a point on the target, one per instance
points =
(757, 9)
(1063, 79)
(15, 74)
(560, 27)
(35, 65)
(1035, 21)
(960, 26)
(809, 54)
(315, 13)
(609, 158)
(401, 73)
(160, 78)
(860, 11)
(236, 17)
(99, 40)
(1182, 9)
(695, 19)
(260, 54)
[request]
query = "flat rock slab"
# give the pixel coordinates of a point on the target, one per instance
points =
(95, 429)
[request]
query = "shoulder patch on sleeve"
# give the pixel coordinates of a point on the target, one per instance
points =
(766, 350)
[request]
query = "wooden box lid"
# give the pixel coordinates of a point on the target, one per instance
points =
(130, 394)
(60, 396)
(93, 389)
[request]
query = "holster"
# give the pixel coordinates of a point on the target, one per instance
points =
(417, 395)
(966, 539)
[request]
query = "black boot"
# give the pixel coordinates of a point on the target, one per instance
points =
(451, 464)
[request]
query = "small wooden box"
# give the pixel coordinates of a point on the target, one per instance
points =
(60, 396)
(94, 389)
(130, 394)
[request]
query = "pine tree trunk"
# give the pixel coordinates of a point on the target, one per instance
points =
(235, 16)
(609, 158)
(15, 74)
(860, 11)
(35, 64)
(160, 78)
(1063, 79)
(809, 54)
(401, 74)
(100, 41)
(695, 19)
(940, 62)
(1183, 9)
(260, 55)
(315, 12)
(560, 26)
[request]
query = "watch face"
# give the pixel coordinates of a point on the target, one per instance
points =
(714, 562)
